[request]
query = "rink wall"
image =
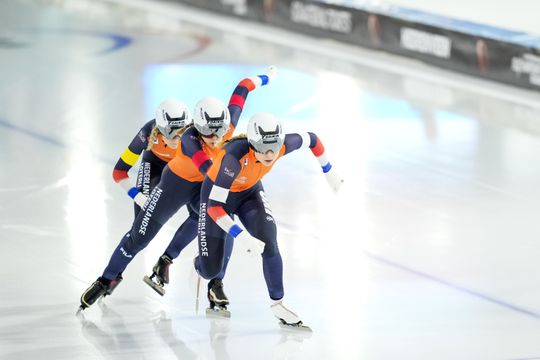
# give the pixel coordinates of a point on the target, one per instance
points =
(484, 51)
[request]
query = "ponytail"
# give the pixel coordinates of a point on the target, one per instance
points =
(152, 138)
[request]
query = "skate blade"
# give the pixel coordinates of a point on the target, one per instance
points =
(156, 287)
(295, 327)
(218, 313)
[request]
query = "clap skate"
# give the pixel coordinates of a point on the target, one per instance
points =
(92, 294)
(112, 285)
(288, 320)
(161, 274)
(218, 300)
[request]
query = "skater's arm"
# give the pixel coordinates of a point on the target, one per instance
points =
(228, 171)
(128, 158)
(240, 94)
(310, 140)
(191, 146)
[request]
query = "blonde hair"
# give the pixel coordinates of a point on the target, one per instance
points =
(152, 137)
(155, 132)
(184, 129)
(240, 136)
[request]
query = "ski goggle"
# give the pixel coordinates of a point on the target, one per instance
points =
(268, 141)
(265, 145)
(174, 125)
(215, 126)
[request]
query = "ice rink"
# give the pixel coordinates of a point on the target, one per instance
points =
(429, 251)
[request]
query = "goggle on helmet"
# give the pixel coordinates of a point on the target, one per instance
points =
(212, 117)
(171, 116)
(265, 133)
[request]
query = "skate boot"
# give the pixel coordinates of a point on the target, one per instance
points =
(93, 293)
(287, 318)
(113, 284)
(218, 300)
(161, 274)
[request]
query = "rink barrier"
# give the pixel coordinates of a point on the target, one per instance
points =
(480, 50)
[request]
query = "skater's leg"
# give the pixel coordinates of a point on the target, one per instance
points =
(166, 198)
(161, 206)
(184, 235)
(229, 245)
(211, 239)
(216, 294)
(256, 216)
(145, 227)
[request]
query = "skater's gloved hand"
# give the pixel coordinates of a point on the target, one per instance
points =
(252, 245)
(140, 199)
(334, 179)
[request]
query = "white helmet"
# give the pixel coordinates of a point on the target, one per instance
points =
(265, 133)
(212, 117)
(172, 115)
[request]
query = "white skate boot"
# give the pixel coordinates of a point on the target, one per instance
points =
(287, 318)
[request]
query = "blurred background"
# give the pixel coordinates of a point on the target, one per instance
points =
(429, 111)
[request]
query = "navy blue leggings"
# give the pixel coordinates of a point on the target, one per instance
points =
(254, 212)
(165, 200)
(187, 232)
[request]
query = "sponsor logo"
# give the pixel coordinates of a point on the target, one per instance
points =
(241, 179)
(425, 42)
(482, 55)
(154, 197)
(266, 204)
(245, 161)
(142, 137)
(374, 27)
(527, 64)
(146, 178)
(239, 7)
(268, 6)
(319, 17)
(125, 253)
(228, 172)
(203, 245)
